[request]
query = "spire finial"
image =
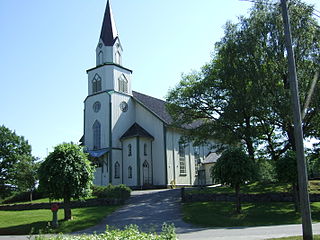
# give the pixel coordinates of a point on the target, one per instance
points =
(109, 31)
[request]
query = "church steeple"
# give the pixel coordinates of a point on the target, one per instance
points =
(109, 48)
(109, 32)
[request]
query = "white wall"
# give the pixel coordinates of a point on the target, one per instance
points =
(155, 127)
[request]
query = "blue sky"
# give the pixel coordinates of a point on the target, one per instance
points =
(47, 46)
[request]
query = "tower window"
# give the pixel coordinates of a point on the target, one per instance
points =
(96, 135)
(116, 170)
(145, 149)
(96, 83)
(197, 159)
(123, 84)
(129, 150)
(129, 172)
(118, 58)
(100, 58)
(182, 158)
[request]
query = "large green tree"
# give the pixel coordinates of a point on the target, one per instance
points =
(234, 167)
(286, 168)
(66, 173)
(14, 150)
(243, 93)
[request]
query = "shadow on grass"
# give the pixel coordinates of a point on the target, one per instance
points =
(222, 214)
(24, 229)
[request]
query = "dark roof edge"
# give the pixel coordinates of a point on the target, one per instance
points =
(109, 64)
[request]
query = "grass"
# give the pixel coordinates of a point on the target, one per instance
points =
(222, 214)
(259, 188)
(23, 222)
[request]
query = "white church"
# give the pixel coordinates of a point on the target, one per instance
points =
(129, 135)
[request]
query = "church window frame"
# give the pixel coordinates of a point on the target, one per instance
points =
(129, 172)
(96, 83)
(129, 150)
(145, 149)
(197, 159)
(182, 158)
(117, 170)
(123, 84)
(96, 127)
(118, 57)
(100, 58)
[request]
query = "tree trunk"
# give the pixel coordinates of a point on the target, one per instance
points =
(30, 196)
(67, 209)
(238, 203)
(295, 191)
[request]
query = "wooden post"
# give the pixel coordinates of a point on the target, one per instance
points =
(298, 134)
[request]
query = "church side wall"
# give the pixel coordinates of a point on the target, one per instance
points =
(155, 127)
(129, 160)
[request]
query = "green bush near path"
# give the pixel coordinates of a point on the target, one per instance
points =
(131, 232)
(38, 221)
(221, 214)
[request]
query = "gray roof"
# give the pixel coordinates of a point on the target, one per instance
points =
(136, 131)
(155, 105)
(109, 32)
(211, 158)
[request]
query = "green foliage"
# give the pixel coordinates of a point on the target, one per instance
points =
(66, 172)
(286, 168)
(14, 151)
(112, 192)
(234, 167)
(266, 170)
(131, 232)
(243, 94)
(23, 197)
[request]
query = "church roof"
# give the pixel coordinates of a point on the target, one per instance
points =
(109, 32)
(212, 157)
(155, 105)
(136, 131)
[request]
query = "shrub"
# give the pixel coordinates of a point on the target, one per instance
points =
(266, 171)
(24, 197)
(112, 192)
(130, 232)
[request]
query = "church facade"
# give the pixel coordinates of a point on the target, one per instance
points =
(129, 135)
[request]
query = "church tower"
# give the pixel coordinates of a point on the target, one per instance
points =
(106, 106)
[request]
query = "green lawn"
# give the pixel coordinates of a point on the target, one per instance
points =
(222, 214)
(22, 222)
(258, 188)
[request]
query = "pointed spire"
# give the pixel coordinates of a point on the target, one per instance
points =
(109, 31)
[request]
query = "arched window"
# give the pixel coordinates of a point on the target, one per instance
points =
(129, 172)
(123, 84)
(129, 150)
(118, 58)
(197, 159)
(96, 135)
(182, 158)
(116, 170)
(100, 58)
(96, 83)
(145, 149)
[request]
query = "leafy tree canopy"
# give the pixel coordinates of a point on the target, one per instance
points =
(14, 150)
(66, 173)
(243, 93)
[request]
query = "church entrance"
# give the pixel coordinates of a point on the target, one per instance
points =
(146, 175)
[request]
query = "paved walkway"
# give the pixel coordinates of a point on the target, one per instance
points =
(149, 209)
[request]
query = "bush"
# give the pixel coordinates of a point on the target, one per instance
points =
(130, 232)
(266, 171)
(112, 192)
(24, 197)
